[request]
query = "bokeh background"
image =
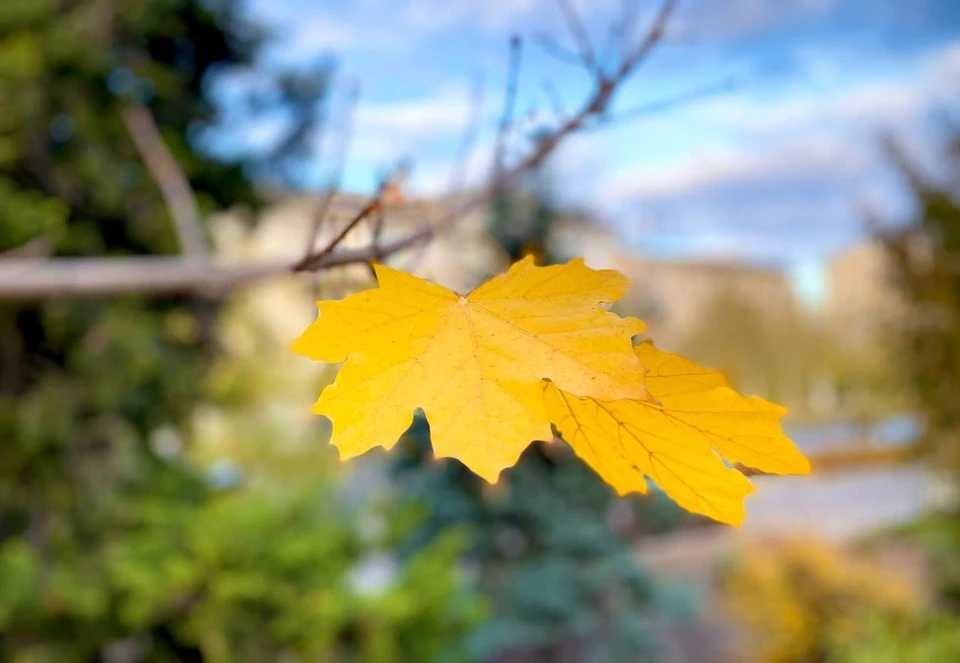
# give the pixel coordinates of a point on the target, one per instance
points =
(778, 181)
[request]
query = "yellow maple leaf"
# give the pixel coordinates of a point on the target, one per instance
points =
(474, 364)
(679, 439)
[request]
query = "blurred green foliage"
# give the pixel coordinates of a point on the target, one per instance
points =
(934, 638)
(924, 253)
(939, 534)
(115, 545)
(553, 545)
(925, 256)
(250, 575)
(552, 553)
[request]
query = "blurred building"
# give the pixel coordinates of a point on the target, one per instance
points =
(746, 319)
(670, 294)
(673, 295)
(861, 302)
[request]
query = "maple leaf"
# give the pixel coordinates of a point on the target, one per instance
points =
(678, 439)
(474, 364)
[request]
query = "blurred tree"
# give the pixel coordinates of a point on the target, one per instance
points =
(933, 638)
(553, 544)
(924, 259)
(113, 545)
(924, 255)
(792, 359)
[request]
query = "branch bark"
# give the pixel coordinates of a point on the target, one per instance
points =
(24, 279)
(171, 180)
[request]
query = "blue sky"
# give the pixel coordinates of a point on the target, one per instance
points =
(774, 168)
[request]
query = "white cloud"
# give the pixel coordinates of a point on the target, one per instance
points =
(322, 33)
(738, 17)
(800, 159)
(387, 131)
(428, 130)
(431, 116)
(800, 162)
(945, 68)
(494, 15)
(387, 25)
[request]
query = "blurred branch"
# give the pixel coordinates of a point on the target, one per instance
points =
(579, 31)
(653, 37)
(549, 44)
(60, 278)
(170, 179)
(628, 25)
(556, 100)
(38, 247)
(509, 104)
(65, 278)
(469, 139)
(595, 106)
(374, 206)
(670, 102)
(340, 161)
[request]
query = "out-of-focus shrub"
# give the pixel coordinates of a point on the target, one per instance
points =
(794, 600)
(932, 639)
(248, 576)
(939, 535)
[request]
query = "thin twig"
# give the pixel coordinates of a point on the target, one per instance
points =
(653, 37)
(667, 103)
(596, 105)
(555, 50)
(25, 279)
(170, 179)
(340, 161)
(468, 141)
(556, 101)
(377, 233)
(509, 103)
(628, 21)
(523, 122)
(579, 31)
(311, 261)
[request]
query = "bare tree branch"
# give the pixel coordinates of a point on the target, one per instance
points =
(39, 247)
(471, 131)
(32, 279)
(70, 278)
(170, 179)
(555, 50)
(628, 25)
(556, 100)
(313, 261)
(595, 105)
(667, 103)
(579, 31)
(509, 103)
(340, 160)
(653, 37)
